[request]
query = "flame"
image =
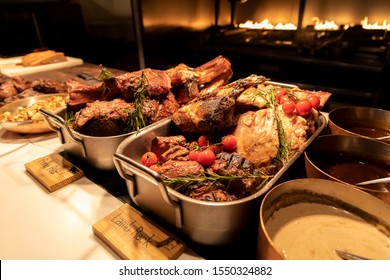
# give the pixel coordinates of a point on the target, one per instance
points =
(266, 24)
(327, 25)
(375, 25)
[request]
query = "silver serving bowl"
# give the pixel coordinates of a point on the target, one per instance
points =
(364, 159)
(360, 121)
(316, 239)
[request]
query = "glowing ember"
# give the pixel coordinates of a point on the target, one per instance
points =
(375, 25)
(327, 25)
(266, 24)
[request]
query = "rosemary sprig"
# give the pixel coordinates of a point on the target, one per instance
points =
(104, 73)
(269, 94)
(69, 117)
(135, 120)
(180, 183)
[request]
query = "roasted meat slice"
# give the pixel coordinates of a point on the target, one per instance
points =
(108, 118)
(102, 118)
(7, 90)
(206, 115)
(80, 94)
(180, 168)
(231, 163)
(212, 69)
(257, 136)
(167, 107)
(296, 129)
(48, 86)
(209, 193)
(234, 89)
(157, 83)
(303, 94)
(161, 144)
(175, 153)
(251, 99)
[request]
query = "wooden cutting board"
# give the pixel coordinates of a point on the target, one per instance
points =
(134, 237)
(53, 171)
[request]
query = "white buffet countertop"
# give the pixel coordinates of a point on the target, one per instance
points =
(42, 225)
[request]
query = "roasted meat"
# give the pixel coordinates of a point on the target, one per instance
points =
(108, 118)
(48, 86)
(206, 115)
(161, 144)
(167, 106)
(209, 193)
(181, 168)
(80, 94)
(257, 136)
(157, 83)
(175, 153)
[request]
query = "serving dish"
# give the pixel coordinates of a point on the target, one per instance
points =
(13, 66)
(360, 121)
(350, 160)
(328, 209)
(209, 223)
(93, 150)
(28, 126)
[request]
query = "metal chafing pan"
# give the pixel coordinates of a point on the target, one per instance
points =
(95, 151)
(209, 223)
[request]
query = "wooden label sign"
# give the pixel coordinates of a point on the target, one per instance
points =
(53, 171)
(134, 237)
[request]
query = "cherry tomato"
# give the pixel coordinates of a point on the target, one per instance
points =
(315, 101)
(284, 98)
(229, 142)
(303, 107)
(203, 140)
(279, 92)
(149, 158)
(206, 157)
(193, 155)
(154, 167)
(288, 107)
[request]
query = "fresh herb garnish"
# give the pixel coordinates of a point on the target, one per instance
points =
(135, 120)
(104, 73)
(180, 183)
(269, 94)
(70, 117)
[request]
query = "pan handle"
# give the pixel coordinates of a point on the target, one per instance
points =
(138, 169)
(56, 123)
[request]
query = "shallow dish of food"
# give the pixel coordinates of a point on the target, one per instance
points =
(203, 171)
(23, 116)
(350, 160)
(361, 121)
(317, 219)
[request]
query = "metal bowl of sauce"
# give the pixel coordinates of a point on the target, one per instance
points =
(314, 219)
(350, 160)
(360, 121)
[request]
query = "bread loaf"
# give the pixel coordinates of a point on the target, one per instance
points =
(42, 57)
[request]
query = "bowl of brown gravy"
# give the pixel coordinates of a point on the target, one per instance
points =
(365, 122)
(350, 160)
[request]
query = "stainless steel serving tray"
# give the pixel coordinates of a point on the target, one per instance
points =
(95, 151)
(210, 223)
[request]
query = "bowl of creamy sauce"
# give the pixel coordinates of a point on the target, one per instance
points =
(309, 219)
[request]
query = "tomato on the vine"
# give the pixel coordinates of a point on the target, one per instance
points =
(315, 101)
(288, 107)
(203, 140)
(149, 158)
(284, 98)
(193, 155)
(303, 107)
(229, 142)
(280, 92)
(206, 157)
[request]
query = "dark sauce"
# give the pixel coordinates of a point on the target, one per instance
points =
(353, 169)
